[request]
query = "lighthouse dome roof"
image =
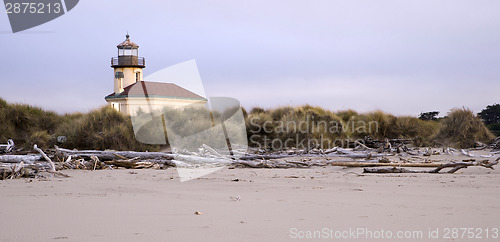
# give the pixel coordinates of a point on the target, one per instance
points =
(127, 42)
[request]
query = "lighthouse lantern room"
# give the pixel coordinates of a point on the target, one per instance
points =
(128, 65)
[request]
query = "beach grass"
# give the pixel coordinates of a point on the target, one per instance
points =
(105, 128)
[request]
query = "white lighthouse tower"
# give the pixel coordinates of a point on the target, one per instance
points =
(128, 65)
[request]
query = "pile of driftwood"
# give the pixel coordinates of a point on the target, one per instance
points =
(390, 160)
(54, 160)
(15, 166)
(94, 159)
(385, 157)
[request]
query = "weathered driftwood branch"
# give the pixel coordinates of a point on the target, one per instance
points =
(466, 153)
(361, 146)
(454, 165)
(466, 163)
(7, 147)
(96, 160)
(52, 165)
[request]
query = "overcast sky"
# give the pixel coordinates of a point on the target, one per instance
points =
(402, 57)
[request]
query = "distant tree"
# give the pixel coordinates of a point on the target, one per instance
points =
(491, 114)
(429, 115)
(495, 128)
(491, 117)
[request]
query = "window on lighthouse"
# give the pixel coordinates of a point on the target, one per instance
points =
(116, 106)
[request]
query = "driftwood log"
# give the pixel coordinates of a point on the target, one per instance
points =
(306, 164)
(113, 155)
(270, 164)
(140, 164)
(19, 158)
(339, 153)
(454, 165)
(264, 157)
(130, 164)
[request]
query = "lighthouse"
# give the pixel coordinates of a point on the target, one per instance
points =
(132, 94)
(128, 65)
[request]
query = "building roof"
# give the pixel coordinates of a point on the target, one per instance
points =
(156, 89)
(127, 42)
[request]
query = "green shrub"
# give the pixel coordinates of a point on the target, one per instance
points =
(495, 128)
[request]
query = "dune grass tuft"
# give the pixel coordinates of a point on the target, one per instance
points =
(462, 128)
(23, 123)
(101, 129)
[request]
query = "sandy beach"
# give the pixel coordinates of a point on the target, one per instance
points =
(254, 121)
(249, 205)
